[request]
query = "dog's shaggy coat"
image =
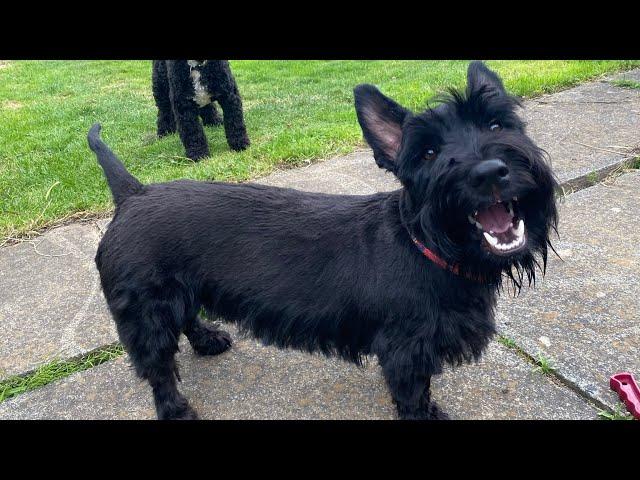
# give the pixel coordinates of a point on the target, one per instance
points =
(184, 89)
(337, 274)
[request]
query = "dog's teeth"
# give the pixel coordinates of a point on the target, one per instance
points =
(520, 230)
(473, 221)
(492, 240)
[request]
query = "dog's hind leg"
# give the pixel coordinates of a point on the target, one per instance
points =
(149, 325)
(210, 116)
(231, 103)
(206, 339)
(160, 86)
(186, 112)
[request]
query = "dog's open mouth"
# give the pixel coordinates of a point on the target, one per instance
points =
(501, 228)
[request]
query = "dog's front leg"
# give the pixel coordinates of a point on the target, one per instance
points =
(186, 110)
(170, 403)
(407, 368)
(423, 409)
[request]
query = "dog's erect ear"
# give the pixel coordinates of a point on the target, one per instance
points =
(381, 121)
(479, 76)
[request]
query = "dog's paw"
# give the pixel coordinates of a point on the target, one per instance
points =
(238, 144)
(431, 412)
(181, 410)
(435, 413)
(210, 341)
(198, 154)
(187, 414)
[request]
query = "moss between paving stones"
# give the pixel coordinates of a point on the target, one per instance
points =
(56, 370)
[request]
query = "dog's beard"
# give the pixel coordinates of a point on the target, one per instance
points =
(461, 246)
(525, 220)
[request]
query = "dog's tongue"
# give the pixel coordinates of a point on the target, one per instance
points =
(496, 218)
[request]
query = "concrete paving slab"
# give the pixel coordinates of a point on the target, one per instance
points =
(633, 75)
(585, 315)
(582, 128)
(251, 381)
(51, 302)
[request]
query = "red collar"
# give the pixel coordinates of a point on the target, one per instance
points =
(441, 263)
(435, 258)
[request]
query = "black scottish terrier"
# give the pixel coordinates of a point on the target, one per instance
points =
(411, 276)
(184, 89)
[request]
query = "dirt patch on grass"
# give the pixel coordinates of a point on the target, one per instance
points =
(4, 64)
(11, 105)
(116, 86)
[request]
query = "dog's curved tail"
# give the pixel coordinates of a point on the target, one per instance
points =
(121, 182)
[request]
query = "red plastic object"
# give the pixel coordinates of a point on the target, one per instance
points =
(628, 391)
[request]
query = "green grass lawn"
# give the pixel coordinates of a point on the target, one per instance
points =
(295, 111)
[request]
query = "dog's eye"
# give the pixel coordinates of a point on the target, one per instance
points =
(495, 126)
(430, 154)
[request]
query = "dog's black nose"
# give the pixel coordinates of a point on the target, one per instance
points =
(489, 173)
